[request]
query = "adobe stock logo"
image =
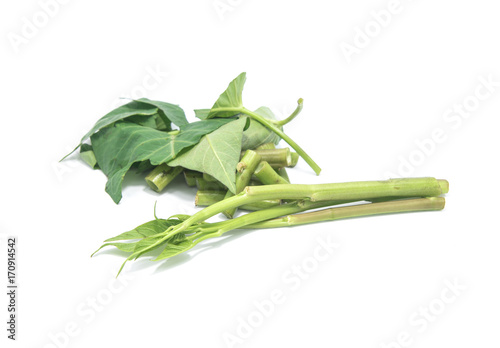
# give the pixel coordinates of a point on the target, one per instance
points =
(293, 278)
(426, 315)
(224, 6)
(453, 119)
(364, 35)
(32, 25)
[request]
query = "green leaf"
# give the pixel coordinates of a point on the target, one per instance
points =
(119, 146)
(150, 228)
(230, 99)
(130, 109)
(202, 114)
(168, 112)
(173, 249)
(141, 107)
(146, 235)
(142, 166)
(257, 134)
(217, 153)
(88, 156)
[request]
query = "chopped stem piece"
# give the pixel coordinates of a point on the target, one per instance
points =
(209, 178)
(202, 184)
(204, 197)
(266, 146)
(161, 176)
(190, 176)
(282, 172)
(294, 159)
(245, 168)
(277, 158)
(268, 176)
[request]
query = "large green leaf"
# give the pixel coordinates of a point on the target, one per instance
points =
(257, 134)
(230, 99)
(217, 153)
(119, 146)
(139, 108)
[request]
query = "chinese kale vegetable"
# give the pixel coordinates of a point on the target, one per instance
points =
(230, 155)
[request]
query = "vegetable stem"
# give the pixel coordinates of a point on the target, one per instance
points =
(246, 168)
(203, 184)
(258, 219)
(390, 207)
(295, 159)
(350, 191)
(268, 176)
(283, 136)
(190, 176)
(161, 176)
(300, 105)
(277, 158)
(266, 146)
(206, 198)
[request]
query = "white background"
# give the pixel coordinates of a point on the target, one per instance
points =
(363, 117)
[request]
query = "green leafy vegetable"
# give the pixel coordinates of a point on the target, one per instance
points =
(124, 143)
(217, 153)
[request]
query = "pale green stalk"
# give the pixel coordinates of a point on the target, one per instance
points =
(258, 219)
(268, 176)
(161, 176)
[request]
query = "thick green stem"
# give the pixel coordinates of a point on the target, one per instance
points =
(161, 176)
(206, 198)
(268, 176)
(277, 158)
(390, 207)
(350, 191)
(211, 230)
(282, 172)
(283, 136)
(261, 219)
(245, 168)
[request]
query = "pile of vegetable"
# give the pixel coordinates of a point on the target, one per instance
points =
(231, 156)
